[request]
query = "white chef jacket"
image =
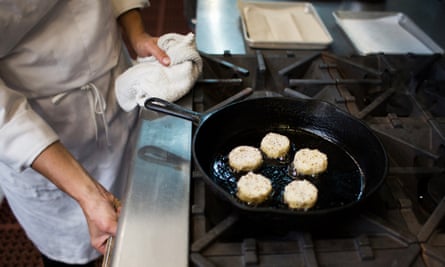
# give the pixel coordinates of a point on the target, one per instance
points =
(58, 63)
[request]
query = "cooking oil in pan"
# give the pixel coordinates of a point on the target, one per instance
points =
(341, 184)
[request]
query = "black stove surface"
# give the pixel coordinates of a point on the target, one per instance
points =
(401, 98)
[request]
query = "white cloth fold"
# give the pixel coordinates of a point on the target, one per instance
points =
(149, 78)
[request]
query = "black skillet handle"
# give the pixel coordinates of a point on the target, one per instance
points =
(166, 107)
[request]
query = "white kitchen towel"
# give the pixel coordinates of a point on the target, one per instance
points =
(149, 78)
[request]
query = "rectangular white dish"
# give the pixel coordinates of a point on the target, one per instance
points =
(384, 32)
(283, 25)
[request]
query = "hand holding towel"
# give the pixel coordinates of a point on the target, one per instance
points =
(149, 78)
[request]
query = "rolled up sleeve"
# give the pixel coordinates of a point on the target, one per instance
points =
(23, 133)
(122, 6)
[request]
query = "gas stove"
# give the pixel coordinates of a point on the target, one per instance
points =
(401, 98)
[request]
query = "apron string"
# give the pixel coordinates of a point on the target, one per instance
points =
(98, 106)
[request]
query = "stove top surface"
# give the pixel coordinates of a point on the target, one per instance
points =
(401, 98)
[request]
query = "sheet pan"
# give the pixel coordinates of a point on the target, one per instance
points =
(283, 25)
(384, 32)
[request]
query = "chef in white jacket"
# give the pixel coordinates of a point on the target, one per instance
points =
(62, 134)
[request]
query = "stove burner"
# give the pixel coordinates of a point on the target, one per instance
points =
(402, 99)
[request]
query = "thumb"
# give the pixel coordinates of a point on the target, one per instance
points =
(162, 57)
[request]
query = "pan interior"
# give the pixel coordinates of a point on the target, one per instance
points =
(341, 184)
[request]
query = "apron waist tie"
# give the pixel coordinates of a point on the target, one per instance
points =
(98, 106)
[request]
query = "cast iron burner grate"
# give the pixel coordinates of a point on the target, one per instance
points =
(399, 97)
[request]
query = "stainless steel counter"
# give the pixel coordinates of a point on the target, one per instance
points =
(218, 27)
(154, 224)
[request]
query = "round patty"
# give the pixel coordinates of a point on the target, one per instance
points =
(275, 145)
(245, 158)
(310, 162)
(253, 188)
(300, 194)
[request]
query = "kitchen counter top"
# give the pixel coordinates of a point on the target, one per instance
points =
(154, 224)
(219, 29)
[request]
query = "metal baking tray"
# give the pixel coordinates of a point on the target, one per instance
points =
(385, 32)
(283, 25)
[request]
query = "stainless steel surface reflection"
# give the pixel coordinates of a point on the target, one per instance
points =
(153, 227)
(218, 27)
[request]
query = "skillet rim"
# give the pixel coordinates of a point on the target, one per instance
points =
(217, 189)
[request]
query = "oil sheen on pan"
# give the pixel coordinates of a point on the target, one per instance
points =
(342, 183)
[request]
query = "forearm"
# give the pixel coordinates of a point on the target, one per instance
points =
(100, 207)
(132, 24)
(142, 43)
(58, 165)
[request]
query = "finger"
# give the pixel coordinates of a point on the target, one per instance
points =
(116, 203)
(117, 206)
(101, 244)
(162, 57)
(165, 61)
(159, 54)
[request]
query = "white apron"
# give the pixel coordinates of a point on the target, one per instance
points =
(57, 83)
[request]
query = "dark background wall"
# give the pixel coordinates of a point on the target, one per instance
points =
(164, 16)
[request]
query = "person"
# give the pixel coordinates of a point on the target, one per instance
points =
(62, 133)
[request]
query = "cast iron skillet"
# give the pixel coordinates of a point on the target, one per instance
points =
(357, 161)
